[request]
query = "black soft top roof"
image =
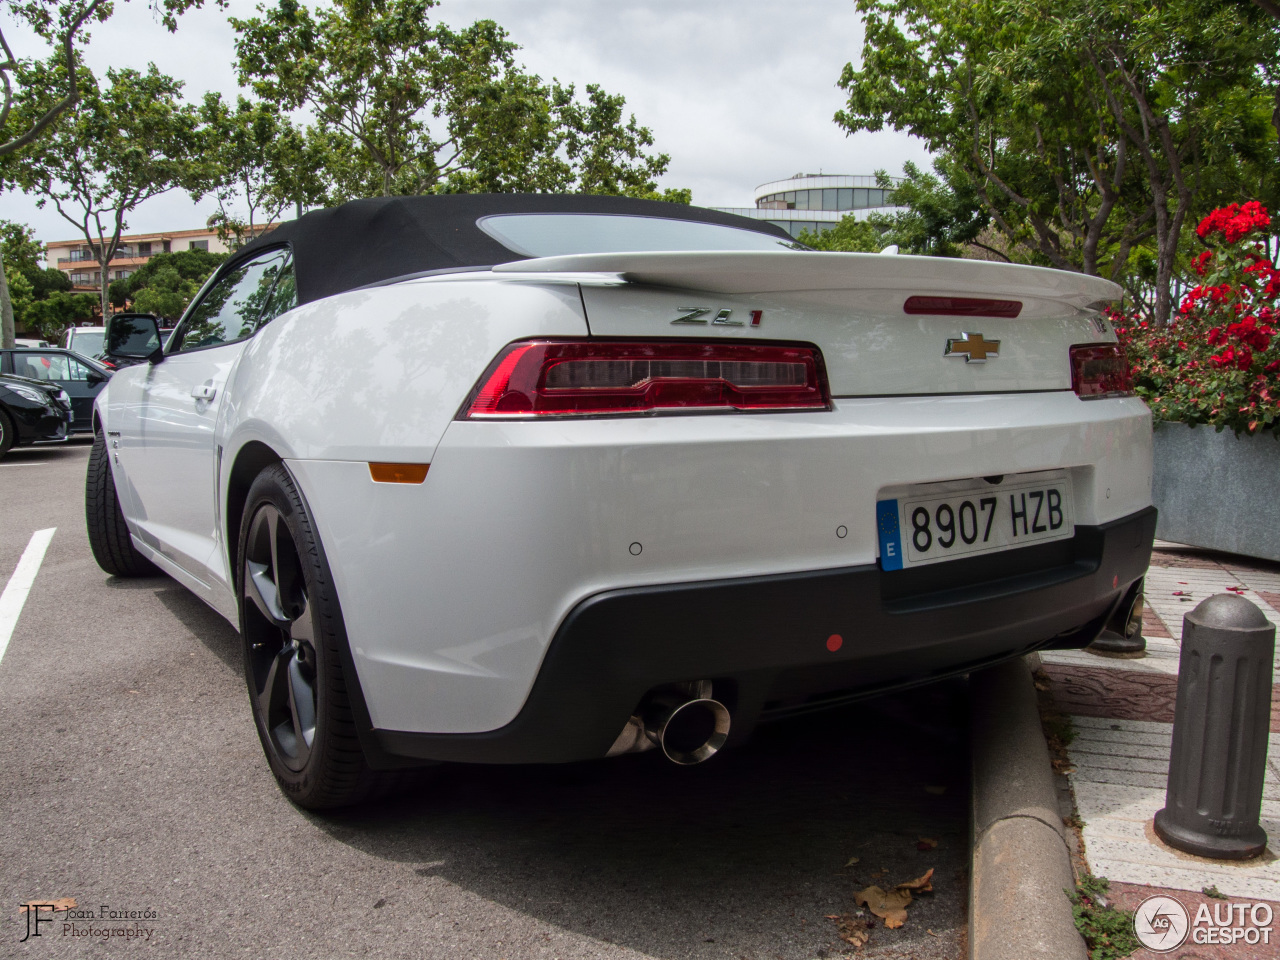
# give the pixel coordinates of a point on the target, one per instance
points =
(368, 241)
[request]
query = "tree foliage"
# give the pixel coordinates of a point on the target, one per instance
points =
(165, 284)
(409, 106)
(60, 25)
(850, 235)
(938, 218)
(1091, 131)
(128, 141)
(28, 280)
(56, 312)
(262, 164)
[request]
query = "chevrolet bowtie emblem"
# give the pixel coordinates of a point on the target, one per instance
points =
(972, 347)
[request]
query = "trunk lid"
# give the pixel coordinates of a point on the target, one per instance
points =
(853, 307)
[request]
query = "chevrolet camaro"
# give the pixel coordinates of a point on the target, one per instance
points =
(531, 479)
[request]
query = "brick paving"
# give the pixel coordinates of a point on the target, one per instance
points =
(1127, 896)
(1122, 716)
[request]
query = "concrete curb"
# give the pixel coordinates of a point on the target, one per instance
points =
(1018, 909)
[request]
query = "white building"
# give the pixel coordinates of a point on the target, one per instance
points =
(815, 202)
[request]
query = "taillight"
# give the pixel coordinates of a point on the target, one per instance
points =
(962, 307)
(1100, 370)
(583, 378)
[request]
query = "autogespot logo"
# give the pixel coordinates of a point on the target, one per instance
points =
(1161, 923)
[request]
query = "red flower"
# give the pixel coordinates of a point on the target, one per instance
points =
(1234, 221)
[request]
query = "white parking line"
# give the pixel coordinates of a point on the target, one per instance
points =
(19, 585)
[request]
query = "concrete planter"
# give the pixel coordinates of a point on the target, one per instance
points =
(1217, 490)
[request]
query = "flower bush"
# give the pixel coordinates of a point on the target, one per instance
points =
(1217, 362)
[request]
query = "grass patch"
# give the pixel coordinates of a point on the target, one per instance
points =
(1107, 932)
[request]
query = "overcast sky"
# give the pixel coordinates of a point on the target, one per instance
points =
(738, 92)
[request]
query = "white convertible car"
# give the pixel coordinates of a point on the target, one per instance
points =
(538, 479)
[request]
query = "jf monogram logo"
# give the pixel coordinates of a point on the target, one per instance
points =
(45, 911)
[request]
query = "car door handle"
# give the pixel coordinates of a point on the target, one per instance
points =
(206, 391)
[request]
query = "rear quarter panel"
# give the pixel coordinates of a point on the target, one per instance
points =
(378, 374)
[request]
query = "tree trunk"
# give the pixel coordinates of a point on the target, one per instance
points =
(106, 302)
(6, 308)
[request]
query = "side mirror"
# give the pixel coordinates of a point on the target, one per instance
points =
(93, 377)
(134, 338)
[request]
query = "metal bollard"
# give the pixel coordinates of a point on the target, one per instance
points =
(1213, 798)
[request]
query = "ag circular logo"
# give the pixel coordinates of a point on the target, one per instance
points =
(1161, 923)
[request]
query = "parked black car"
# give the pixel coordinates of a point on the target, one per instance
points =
(31, 411)
(82, 378)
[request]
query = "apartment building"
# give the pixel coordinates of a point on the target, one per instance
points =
(76, 258)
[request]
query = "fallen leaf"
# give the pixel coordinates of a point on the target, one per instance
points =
(1181, 593)
(851, 930)
(926, 843)
(880, 873)
(921, 884)
(936, 791)
(852, 861)
(1182, 583)
(1236, 589)
(58, 905)
(890, 905)
(932, 934)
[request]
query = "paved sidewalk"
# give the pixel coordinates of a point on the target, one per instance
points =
(1122, 717)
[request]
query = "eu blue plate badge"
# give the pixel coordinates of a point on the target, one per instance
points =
(890, 535)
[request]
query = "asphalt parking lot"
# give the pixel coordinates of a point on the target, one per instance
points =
(133, 781)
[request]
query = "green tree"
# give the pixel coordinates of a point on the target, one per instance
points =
(941, 215)
(19, 257)
(24, 254)
(1090, 130)
(59, 25)
(263, 165)
(58, 311)
(22, 251)
(24, 275)
(21, 295)
(423, 108)
(127, 142)
(192, 268)
(850, 235)
(167, 295)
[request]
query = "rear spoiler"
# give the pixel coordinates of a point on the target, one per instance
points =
(737, 272)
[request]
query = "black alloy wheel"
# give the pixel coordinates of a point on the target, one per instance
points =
(294, 642)
(282, 652)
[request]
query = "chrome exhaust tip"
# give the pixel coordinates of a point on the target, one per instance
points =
(1122, 636)
(687, 731)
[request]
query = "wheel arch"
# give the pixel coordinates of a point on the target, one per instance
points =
(250, 460)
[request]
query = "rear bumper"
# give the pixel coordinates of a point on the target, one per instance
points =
(763, 641)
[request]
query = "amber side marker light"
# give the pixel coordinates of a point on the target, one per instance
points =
(398, 472)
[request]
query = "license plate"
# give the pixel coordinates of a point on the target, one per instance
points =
(940, 522)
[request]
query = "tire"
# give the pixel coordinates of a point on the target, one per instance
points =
(8, 434)
(293, 640)
(108, 534)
